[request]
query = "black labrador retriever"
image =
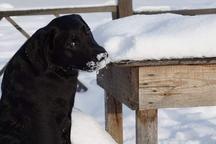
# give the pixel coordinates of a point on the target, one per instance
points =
(39, 83)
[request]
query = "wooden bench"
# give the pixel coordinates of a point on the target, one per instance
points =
(146, 86)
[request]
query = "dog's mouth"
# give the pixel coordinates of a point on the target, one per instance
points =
(101, 62)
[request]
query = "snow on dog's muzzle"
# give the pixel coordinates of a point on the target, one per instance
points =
(102, 61)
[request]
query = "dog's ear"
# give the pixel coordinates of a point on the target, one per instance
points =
(35, 48)
(86, 29)
(51, 34)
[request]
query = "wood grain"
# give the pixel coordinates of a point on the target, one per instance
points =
(113, 117)
(125, 8)
(164, 62)
(177, 86)
(147, 126)
(122, 83)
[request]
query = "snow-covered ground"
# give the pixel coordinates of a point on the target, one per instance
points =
(176, 126)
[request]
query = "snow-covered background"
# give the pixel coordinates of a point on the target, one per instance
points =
(176, 126)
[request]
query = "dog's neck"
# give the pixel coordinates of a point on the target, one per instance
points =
(64, 72)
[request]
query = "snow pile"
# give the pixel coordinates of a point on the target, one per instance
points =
(5, 6)
(158, 36)
(85, 130)
(155, 5)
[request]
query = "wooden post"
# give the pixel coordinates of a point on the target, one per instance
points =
(125, 8)
(146, 127)
(113, 116)
(114, 15)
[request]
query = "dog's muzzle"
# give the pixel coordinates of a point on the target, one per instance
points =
(101, 61)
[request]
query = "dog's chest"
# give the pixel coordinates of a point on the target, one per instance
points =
(46, 89)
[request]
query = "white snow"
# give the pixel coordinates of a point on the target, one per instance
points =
(5, 6)
(85, 130)
(155, 5)
(176, 126)
(158, 36)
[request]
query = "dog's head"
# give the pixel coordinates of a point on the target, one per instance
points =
(67, 42)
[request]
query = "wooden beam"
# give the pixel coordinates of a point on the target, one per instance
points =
(190, 12)
(146, 127)
(10, 20)
(125, 8)
(164, 62)
(122, 83)
(51, 11)
(177, 86)
(113, 117)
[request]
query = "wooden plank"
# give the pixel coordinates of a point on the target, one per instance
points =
(146, 127)
(177, 86)
(122, 83)
(125, 8)
(10, 20)
(113, 117)
(51, 11)
(164, 62)
(190, 12)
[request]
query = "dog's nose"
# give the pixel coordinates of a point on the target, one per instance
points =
(102, 56)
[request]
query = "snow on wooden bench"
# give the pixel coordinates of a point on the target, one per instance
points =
(158, 61)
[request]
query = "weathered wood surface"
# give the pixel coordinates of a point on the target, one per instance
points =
(186, 84)
(177, 86)
(147, 126)
(164, 62)
(189, 12)
(113, 117)
(51, 11)
(125, 8)
(121, 83)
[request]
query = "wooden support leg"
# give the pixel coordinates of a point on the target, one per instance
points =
(113, 116)
(10, 20)
(146, 127)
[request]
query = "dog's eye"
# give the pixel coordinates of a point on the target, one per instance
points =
(72, 45)
(88, 31)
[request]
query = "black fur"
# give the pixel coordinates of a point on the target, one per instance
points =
(39, 83)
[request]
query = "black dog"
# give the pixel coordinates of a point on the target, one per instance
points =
(39, 83)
